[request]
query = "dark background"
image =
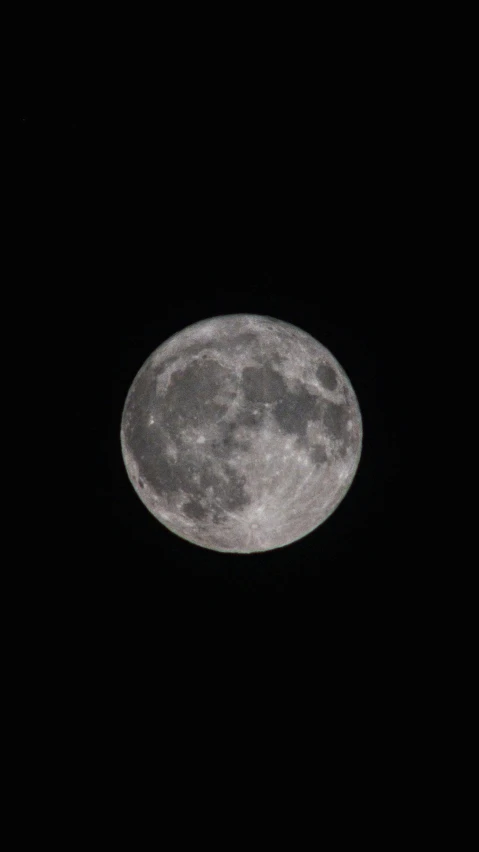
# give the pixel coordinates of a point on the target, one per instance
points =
(163, 177)
(152, 195)
(139, 217)
(140, 225)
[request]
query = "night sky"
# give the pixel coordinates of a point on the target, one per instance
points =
(138, 219)
(168, 172)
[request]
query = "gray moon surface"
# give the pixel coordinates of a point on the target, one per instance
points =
(241, 433)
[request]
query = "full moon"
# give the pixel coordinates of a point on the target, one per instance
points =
(241, 433)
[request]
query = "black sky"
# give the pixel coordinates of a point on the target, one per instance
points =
(140, 220)
(164, 175)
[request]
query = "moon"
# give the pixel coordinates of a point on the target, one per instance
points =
(241, 433)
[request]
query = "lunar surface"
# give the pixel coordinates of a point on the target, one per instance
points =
(241, 433)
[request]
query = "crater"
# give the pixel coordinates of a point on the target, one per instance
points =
(327, 376)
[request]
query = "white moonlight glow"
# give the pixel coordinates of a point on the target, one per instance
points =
(241, 433)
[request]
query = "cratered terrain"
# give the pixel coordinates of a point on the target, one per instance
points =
(241, 433)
